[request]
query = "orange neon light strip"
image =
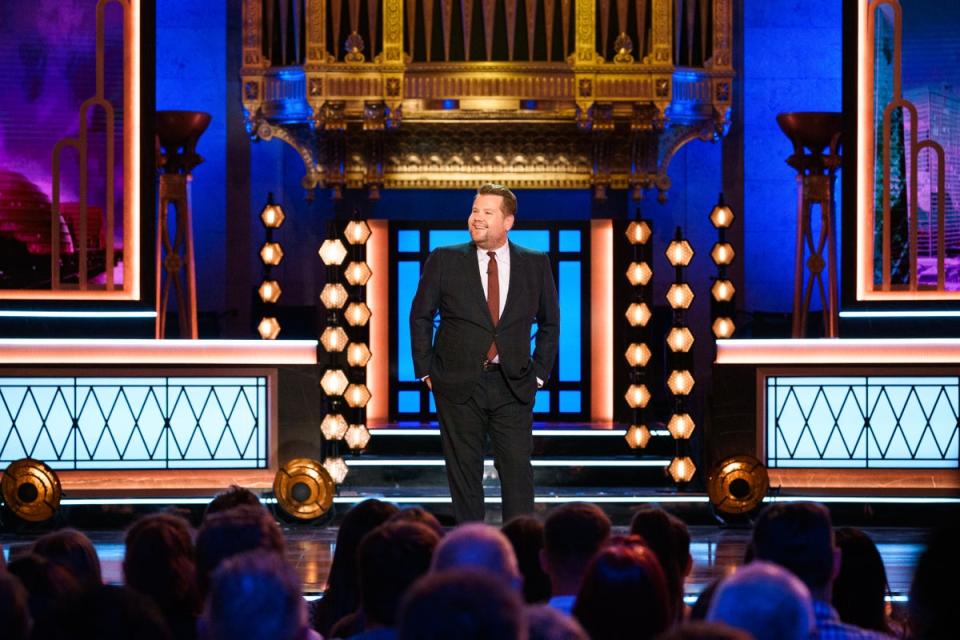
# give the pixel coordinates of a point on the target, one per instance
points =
(850, 352)
(378, 299)
(601, 321)
(139, 352)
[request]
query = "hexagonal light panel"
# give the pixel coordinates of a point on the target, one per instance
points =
(637, 436)
(357, 314)
(269, 291)
(332, 252)
(681, 426)
(358, 354)
(638, 232)
(723, 253)
(680, 340)
(337, 469)
(272, 216)
(334, 296)
(639, 273)
(268, 328)
(357, 232)
(357, 273)
(680, 382)
(722, 291)
(637, 354)
(679, 253)
(271, 254)
(334, 382)
(334, 339)
(334, 426)
(682, 469)
(723, 327)
(680, 296)
(358, 436)
(637, 396)
(721, 217)
(638, 314)
(357, 395)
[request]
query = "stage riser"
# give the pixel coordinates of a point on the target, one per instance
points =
(420, 478)
(553, 445)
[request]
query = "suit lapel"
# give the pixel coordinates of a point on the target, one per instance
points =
(474, 285)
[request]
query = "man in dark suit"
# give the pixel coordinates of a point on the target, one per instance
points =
(488, 293)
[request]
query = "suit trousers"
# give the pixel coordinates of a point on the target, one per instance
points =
(492, 410)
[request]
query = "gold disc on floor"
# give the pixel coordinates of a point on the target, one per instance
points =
(737, 485)
(303, 488)
(31, 490)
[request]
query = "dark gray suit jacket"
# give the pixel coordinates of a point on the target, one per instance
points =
(450, 284)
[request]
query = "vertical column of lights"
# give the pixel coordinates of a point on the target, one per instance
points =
(357, 314)
(271, 254)
(722, 306)
(680, 358)
(333, 339)
(639, 273)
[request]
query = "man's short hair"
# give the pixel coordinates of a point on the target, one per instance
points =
(798, 536)
(72, 550)
(234, 531)
(390, 558)
(254, 596)
(509, 206)
(766, 600)
(479, 546)
(463, 603)
(574, 532)
(234, 496)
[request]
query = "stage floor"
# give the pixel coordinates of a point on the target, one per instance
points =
(716, 551)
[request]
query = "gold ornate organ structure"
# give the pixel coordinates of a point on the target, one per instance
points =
(547, 94)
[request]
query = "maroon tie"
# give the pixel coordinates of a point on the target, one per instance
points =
(493, 297)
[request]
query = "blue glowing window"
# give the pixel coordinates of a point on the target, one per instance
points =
(570, 240)
(569, 402)
(408, 241)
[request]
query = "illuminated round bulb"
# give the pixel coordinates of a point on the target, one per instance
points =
(272, 216)
(334, 339)
(337, 469)
(332, 252)
(638, 232)
(637, 354)
(334, 296)
(334, 382)
(680, 382)
(269, 291)
(679, 253)
(357, 232)
(637, 396)
(358, 436)
(357, 273)
(680, 296)
(723, 327)
(637, 436)
(357, 314)
(723, 253)
(358, 354)
(638, 315)
(271, 254)
(357, 395)
(333, 427)
(639, 273)
(680, 339)
(682, 469)
(681, 426)
(269, 328)
(721, 217)
(722, 291)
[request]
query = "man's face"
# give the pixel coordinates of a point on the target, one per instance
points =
(487, 222)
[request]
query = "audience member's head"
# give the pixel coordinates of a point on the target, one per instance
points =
(159, 562)
(861, 586)
(765, 600)
(120, 613)
(572, 534)
(547, 623)
(342, 595)
(234, 496)
(72, 550)
(479, 546)
(668, 538)
(14, 607)
(798, 536)
(390, 559)
(525, 534)
(933, 593)
(418, 514)
(624, 593)
(702, 630)
(254, 596)
(462, 604)
(53, 595)
(231, 532)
